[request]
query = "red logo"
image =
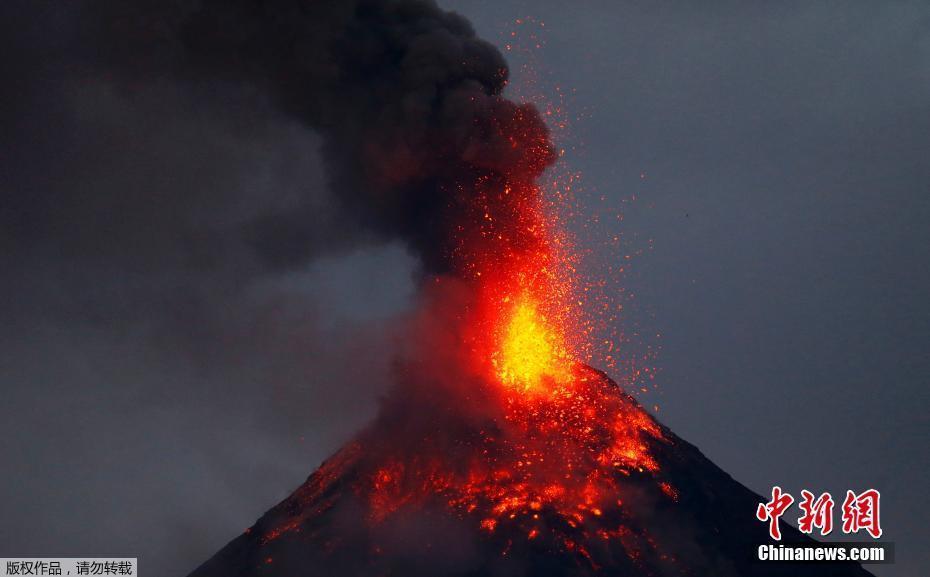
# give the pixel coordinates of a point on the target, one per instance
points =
(773, 510)
(817, 513)
(859, 512)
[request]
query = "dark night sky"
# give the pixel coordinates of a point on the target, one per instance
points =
(162, 388)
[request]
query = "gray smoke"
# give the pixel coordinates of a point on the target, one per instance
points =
(407, 101)
(175, 177)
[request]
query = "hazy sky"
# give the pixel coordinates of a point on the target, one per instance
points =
(163, 388)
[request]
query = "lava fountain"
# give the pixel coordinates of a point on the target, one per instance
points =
(519, 436)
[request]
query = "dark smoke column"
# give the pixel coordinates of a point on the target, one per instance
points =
(418, 141)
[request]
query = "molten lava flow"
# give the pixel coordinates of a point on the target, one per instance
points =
(554, 466)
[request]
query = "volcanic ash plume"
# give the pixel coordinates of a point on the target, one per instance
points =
(419, 142)
(420, 146)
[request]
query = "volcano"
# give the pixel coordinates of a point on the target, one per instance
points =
(580, 481)
(498, 450)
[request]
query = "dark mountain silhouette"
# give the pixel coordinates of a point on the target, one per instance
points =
(678, 515)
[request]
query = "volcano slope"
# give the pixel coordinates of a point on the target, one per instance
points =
(577, 481)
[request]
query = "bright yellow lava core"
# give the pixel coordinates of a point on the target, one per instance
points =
(530, 349)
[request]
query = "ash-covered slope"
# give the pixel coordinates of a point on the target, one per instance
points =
(431, 493)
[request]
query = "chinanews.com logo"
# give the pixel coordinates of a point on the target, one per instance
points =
(858, 513)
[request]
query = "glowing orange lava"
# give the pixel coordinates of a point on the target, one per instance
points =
(526, 328)
(531, 349)
(554, 465)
